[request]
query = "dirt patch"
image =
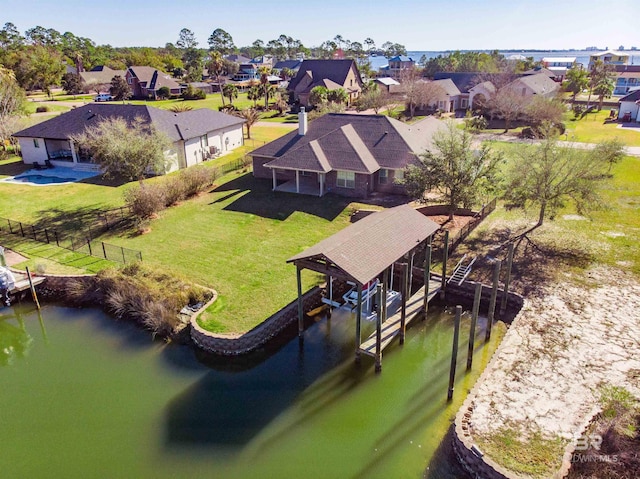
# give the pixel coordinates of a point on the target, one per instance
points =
(566, 344)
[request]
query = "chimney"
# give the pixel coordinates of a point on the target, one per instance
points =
(302, 122)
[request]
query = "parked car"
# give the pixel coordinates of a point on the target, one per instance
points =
(103, 97)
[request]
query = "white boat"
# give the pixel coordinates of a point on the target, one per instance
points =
(368, 292)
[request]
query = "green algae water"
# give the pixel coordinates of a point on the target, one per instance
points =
(85, 396)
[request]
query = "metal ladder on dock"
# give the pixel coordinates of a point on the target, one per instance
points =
(462, 270)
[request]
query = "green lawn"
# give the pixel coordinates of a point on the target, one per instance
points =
(593, 129)
(236, 238)
(212, 101)
(31, 106)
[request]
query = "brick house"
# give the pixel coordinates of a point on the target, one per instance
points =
(346, 154)
(332, 74)
(146, 81)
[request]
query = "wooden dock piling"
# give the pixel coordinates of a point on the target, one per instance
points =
(405, 291)
(503, 305)
(474, 320)
(492, 301)
(427, 277)
(380, 312)
(33, 289)
(454, 352)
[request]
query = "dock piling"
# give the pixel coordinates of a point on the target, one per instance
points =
(503, 305)
(427, 278)
(474, 319)
(492, 301)
(454, 352)
(405, 291)
(379, 313)
(33, 289)
(445, 258)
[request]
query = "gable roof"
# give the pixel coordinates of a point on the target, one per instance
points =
(100, 74)
(463, 80)
(634, 96)
(540, 83)
(334, 70)
(154, 78)
(401, 58)
(359, 143)
(238, 58)
(546, 71)
(177, 126)
(364, 249)
(448, 86)
(291, 64)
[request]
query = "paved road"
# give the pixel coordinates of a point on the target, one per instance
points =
(630, 150)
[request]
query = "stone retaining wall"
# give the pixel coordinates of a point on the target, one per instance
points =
(243, 343)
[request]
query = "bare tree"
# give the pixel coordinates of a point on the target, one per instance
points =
(12, 99)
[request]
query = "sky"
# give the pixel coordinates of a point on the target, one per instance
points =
(418, 25)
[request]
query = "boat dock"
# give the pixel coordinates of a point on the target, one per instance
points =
(392, 326)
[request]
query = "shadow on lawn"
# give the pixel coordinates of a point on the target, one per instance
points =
(536, 261)
(258, 199)
(83, 221)
(13, 168)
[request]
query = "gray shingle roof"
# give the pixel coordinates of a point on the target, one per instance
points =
(463, 80)
(334, 70)
(448, 86)
(101, 74)
(633, 96)
(360, 143)
(541, 84)
(189, 124)
(154, 78)
(366, 248)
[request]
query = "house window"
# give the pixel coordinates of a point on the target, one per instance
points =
(305, 173)
(129, 80)
(383, 176)
(441, 105)
(36, 143)
(464, 103)
(346, 179)
(398, 175)
(351, 82)
(524, 91)
(204, 141)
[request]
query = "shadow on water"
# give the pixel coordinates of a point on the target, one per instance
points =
(231, 405)
(444, 464)
(254, 196)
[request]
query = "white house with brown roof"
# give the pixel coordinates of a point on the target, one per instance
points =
(526, 86)
(346, 154)
(146, 81)
(332, 74)
(196, 135)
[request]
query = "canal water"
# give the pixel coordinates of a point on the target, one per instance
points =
(86, 396)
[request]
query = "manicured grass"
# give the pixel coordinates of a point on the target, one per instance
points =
(52, 259)
(31, 106)
(593, 129)
(213, 101)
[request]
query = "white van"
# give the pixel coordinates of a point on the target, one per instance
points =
(103, 97)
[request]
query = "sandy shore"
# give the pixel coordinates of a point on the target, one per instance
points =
(575, 338)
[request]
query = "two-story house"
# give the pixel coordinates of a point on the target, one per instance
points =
(332, 74)
(146, 81)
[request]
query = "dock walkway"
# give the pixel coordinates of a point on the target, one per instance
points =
(391, 327)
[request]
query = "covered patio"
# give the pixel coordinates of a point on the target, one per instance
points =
(305, 183)
(365, 250)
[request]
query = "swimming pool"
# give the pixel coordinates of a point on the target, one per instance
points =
(57, 176)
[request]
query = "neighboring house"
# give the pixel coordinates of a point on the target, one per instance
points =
(480, 93)
(200, 85)
(526, 86)
(196, 135)
(332, 74)
(247, 71)
(238, 58)
(628, 79)
(290, 64)
(559, 66)
(463, 81)
(386, 83)
(100, 75)
(396, 65)
(555, 74)
(146, 81)
(610, 57)
(630, 107)
(451, 98)
(347, 154)
(262, 61)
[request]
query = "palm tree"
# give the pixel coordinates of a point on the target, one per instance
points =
(604, 89)
(254, 94)
(288, 73)
(281, 103)
(339, 96)
(264, 82)
(230, 91)
(250, 116)
(318, 95)
(216, 66)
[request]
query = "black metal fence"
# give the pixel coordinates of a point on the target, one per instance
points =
(82, 243)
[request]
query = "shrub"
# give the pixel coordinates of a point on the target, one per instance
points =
(192, 93)
(474, 124)
(578, 111)
(181, 107)
(196, 179)
(145, 200)
(174, 190)
(227, 108)
(42, 109)
(153, 298)
(163, 93)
